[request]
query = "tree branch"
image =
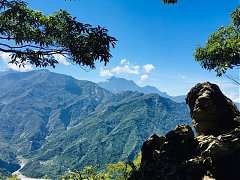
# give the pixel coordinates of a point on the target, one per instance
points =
(48, 52)
(6, 38)
(19, 47)
(31, 36)
(232, 79)
(32, 46)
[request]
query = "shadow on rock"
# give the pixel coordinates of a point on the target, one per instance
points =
(215, 152)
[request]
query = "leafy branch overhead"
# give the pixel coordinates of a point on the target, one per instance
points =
(222, 50)
(34, 38)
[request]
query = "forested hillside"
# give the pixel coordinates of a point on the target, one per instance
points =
(57, 123)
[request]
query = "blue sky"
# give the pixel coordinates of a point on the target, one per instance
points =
(156, 42)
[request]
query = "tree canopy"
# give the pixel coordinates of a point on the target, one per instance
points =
(34, 38)
(222, 50)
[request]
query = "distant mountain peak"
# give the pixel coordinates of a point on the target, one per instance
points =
(118, 85)
(114, 78)
(46, 116)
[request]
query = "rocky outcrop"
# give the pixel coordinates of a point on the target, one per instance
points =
(212, 113)
(215, 152)
(221, 155)
(164, 157)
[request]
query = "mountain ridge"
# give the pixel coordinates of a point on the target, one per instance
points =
(116, 85)
(54, 120)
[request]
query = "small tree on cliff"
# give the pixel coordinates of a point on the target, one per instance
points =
(31, 37)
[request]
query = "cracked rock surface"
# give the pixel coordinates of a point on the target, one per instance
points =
(214, 152)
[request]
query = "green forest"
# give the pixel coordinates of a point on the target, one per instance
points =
(71, 110)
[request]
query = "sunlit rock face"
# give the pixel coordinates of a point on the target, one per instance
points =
(212, 113)
(168, 157)
(221, 155)
(214, 153)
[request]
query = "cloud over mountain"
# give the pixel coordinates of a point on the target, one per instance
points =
(126, 68)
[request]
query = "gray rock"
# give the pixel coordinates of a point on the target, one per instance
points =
(163, 157)
(215, 153)
(221, 154)
(212, 113)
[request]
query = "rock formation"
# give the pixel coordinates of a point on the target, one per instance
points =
(212, 113)
(215, 152)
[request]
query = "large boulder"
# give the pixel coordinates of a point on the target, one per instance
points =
(180, 156)
(164, 157)
(221, 155)
(151, 148)
(212, 113)
(214, 153)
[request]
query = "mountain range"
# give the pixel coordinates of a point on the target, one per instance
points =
(118, 85)
(54, 122)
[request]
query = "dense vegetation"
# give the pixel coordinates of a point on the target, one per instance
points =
(222, 50)
(58, 123)
(30, 37)
(117, 171)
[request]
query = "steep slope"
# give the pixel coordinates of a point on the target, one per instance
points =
(30, 104)
(114, 132)
(117, 85)
(56, 122)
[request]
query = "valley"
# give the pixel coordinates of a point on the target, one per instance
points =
(57, 123)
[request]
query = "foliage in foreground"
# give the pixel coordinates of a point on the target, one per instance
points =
(14, 177)
(222, 50)
(30, 37)
(117, 171)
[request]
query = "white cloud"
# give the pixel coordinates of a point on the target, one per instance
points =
(105, 73)
(148, 68)
(124, 61)
(24, 68)
(124, 68)
(144, 77)
(6, 57)
(61, 59)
